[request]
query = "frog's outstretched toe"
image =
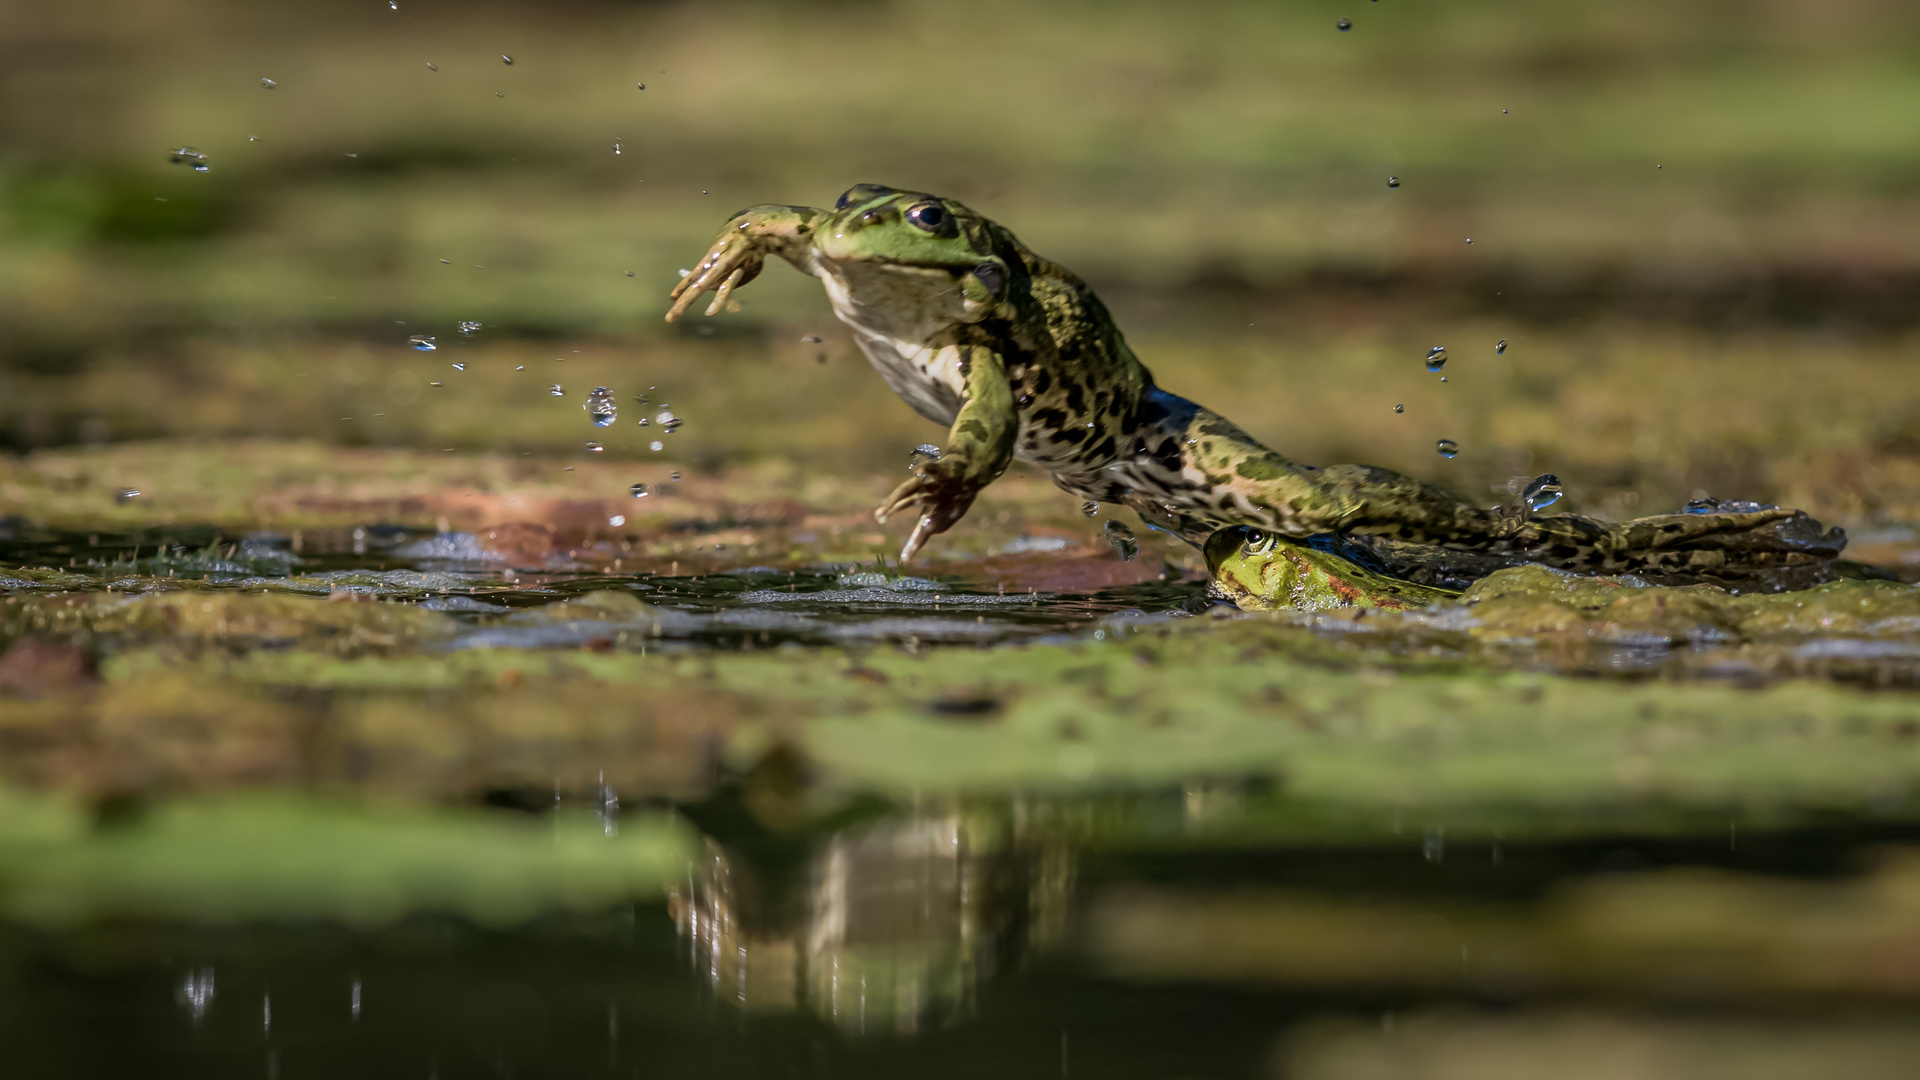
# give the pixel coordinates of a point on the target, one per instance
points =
(940, 500)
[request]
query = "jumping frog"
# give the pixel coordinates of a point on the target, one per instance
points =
(1021, 360)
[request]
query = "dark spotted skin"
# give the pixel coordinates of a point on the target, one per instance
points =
(974, 329)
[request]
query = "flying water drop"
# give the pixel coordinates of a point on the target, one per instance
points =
(617, 520)
(595, 447)
(422, 342)
(469, 327)
(1399, 409)
(1344, 24)
(639, 491)
(126, 495)
(1393, 181)
(1541, 492)
(507, 59)
(601, 406)
(1448, 448)
(459, 367)
(268, 84)
(431, 66)
(187, 155)
(656, 446)
(668, 422)
(1500, 346)
(674, 476)
(1436, 358)
(1090, 508)
(925, 450)
(1122, 540)
(556, 390)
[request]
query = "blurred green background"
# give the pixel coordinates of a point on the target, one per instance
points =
(1698, 225)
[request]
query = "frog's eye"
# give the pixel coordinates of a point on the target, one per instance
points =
(861, 193)
(933, 218)
(1253, 540)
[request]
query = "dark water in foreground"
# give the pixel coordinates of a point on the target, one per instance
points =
(875, 950)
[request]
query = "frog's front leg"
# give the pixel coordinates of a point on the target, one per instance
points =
(979, 448)
(744, 244)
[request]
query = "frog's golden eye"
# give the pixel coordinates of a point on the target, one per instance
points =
(1253, 541)
(933, 218)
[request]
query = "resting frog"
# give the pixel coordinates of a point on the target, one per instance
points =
(1019, 358)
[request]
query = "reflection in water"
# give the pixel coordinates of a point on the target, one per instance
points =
(895, 927)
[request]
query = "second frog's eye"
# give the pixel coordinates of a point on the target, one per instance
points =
(933, 218)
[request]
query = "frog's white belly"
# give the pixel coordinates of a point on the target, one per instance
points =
(891, 313)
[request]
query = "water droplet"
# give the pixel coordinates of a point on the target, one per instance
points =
(1443, 378)
(1393, 181)
(449, 262)
(616, 147)
(459, 367)
(556, 390)
(1434, 847)
(1399, 408)
(617, 520)
(602, 407)
(674, 476)
(1090, 508)
(469, 327)
(394, 4)
(126, 495)
(668, 422)
(925, 450)
(436, 384)
(431, 66)
(595, 447)
(629, 273)
(1436, 358)
(507, 59)
(268, 84)
(1469, 239)
(1541, 492)
(187, 155)
(521, 367)
(1121, 537)
(656, 446)
(684, 272)
(422, 342)
(643, 86)
(1448, 448)
(1503, 112)
(1344, 24)
(811, 339)
(639, 491)
(1500, 346)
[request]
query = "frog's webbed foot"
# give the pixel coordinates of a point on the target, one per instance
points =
(741, 252)
(941, 497)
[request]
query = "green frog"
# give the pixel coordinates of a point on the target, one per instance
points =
(1018, 357)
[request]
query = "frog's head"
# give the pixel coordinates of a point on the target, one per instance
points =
(915, 241)
(1259, 571)
(1239, 558)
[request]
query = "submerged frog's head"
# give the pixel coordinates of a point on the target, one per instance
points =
(906, 241)
(1259, 571)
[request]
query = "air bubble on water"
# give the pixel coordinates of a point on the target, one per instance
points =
(1344, 24)
(1393, 181)
(1436, 358)
(656, 446)
(1447, 447)
(1500, 346)
(601, 406)
(595, 447)
(268, 84)
(1121, 537)
(617, 520)
(668, 422)
(422, 342)
(507, 59)
(556, 390)
(639, 491)
(1541, 492)
(469, 327)
(1399, 408)
(187, 155)
(1090, 508)
(126, 495)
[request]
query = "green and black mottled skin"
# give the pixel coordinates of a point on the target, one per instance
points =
(1017, 355)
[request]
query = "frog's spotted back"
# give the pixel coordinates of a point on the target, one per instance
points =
(1017, 354)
